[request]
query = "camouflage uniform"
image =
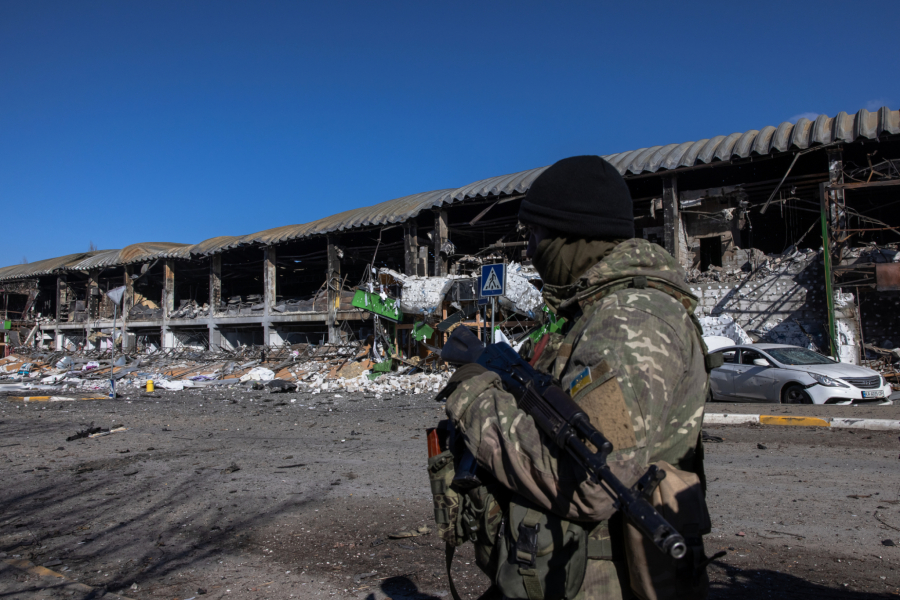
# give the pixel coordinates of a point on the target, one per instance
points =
(643, 352)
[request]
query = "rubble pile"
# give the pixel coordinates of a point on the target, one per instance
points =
(303, 368)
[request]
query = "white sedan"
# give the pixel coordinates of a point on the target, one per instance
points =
(792, 375)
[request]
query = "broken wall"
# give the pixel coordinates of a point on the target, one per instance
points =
(781, 302)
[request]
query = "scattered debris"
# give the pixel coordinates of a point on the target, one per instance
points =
(710, 439)
(402, 534)
(90, 430)
(108, 432)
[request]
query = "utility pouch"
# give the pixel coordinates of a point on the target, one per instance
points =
(679, 498)
(446, 500)
(541, 556)
(481, 516)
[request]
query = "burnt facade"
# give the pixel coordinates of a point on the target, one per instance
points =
(747, 215)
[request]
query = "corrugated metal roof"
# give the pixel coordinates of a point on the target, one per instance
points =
(134, 253)
(769, 140)
(392, 211)
(44, 267)
(517, 183)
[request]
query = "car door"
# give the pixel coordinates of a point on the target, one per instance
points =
(753, 381)
(720, 378)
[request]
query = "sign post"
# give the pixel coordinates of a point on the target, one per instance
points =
(493, 283)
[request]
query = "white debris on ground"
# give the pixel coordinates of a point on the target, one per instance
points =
(333, 368)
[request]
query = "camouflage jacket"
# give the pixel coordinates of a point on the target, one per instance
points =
(633, 359)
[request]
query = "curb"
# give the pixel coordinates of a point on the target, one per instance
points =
(52, 398)
(836, 422)
(29, 567)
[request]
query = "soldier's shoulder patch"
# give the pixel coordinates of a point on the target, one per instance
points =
(581, 381)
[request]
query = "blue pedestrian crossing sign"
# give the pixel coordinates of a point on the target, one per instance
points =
(493, 279)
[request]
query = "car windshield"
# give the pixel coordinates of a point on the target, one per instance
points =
(798, 356)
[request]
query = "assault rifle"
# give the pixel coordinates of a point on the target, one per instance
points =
(558, 416)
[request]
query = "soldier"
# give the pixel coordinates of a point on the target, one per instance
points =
(631, 356)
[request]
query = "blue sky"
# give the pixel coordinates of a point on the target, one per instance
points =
(124, 122)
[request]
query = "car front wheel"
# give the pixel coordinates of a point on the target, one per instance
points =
(795, 394)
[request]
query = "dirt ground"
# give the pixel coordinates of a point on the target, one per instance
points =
(234, 494)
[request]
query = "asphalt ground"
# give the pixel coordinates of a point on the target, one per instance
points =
(232, 494)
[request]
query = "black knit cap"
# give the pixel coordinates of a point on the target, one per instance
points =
(581, 196)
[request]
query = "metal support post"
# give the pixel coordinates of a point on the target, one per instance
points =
(493, 313)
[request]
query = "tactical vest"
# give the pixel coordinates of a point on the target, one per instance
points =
(531, 554)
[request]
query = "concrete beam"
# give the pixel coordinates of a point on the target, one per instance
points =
(440, 236)
(671, 216)
(333, 287)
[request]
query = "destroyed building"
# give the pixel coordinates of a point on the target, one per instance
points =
(746, 214)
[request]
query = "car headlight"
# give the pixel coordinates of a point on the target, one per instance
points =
(827, 381)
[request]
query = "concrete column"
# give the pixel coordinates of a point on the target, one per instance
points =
(60, 296)
(270, 277)
(168, 303)
(411, 248)
(843, 325)
(215, 284)
(91, 305)
(168, 299)
(440, 236)
(837, 206)
(215, 337)
(93, 297)
(333, 286)
(127, 301)
(671, 216)
(270, 284)
(215, 296)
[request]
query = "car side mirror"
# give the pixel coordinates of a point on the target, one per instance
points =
(760, 362)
